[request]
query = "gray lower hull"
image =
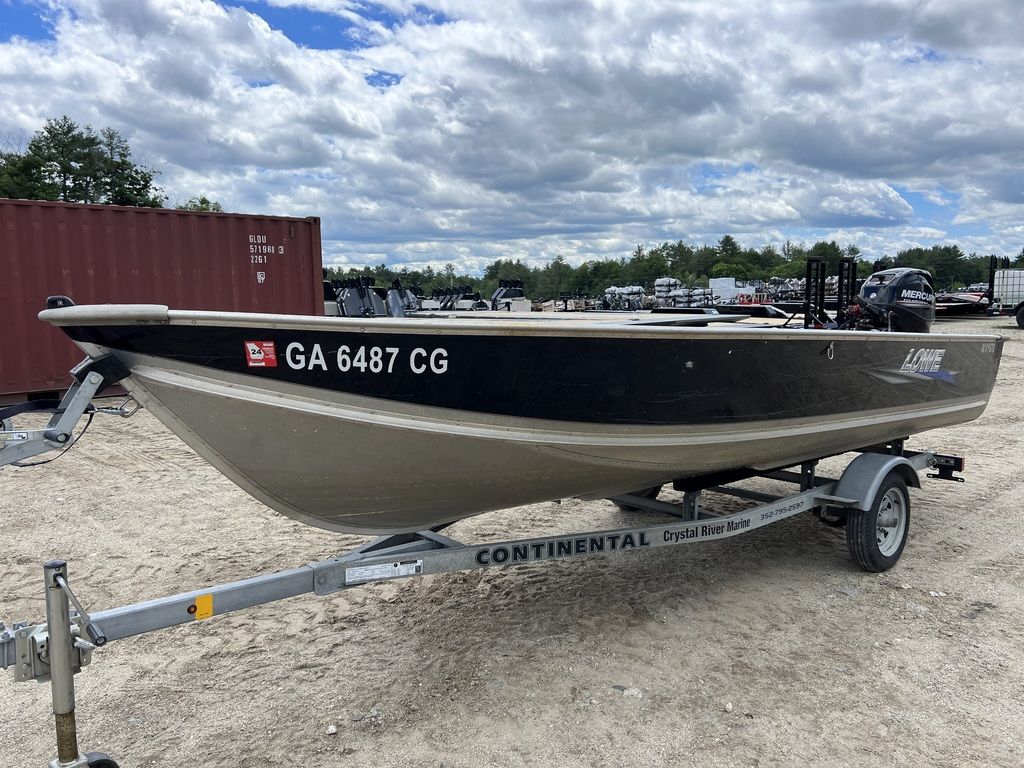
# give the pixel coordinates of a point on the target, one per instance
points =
(357, 464)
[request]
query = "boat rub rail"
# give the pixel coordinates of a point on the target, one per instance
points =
(630, 326)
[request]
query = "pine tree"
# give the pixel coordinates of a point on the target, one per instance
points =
(64, 161)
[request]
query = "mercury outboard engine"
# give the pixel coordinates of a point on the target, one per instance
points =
(900, 299)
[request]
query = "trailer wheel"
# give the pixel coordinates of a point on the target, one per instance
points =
(647, 493)
(876, 536)
(1020, 317)
(99, 760)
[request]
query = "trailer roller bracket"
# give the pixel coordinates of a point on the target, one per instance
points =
(945, 466)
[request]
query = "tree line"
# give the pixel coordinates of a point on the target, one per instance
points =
(75, 164)
(693, 265)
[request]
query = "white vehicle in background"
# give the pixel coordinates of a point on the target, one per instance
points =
(1008, 292)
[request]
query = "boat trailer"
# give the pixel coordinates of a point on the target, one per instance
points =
(870, 499)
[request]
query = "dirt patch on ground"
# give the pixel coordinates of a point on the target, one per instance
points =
(766, 650)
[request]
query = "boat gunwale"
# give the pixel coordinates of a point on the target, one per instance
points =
(158, 314)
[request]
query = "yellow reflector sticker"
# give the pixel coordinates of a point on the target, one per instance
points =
(204, 607)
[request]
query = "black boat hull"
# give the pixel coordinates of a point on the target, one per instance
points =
(386, 426)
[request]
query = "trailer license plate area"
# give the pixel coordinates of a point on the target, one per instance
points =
(364, 573)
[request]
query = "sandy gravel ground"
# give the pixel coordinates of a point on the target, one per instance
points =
(765, 650)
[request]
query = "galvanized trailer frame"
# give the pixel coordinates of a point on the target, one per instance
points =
(870, 497)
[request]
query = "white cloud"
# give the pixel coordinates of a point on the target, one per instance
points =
(529, 128)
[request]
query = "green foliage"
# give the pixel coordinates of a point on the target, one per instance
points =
(692, 265)
(201, 203)
(729, 250)
(65, 161)
(21, 177)
(948, 265)
(121, 181)
(830, 252)
(729, 269)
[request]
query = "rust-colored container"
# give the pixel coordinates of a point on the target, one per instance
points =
(99, 254)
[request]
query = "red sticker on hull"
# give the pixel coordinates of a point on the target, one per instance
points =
(260, 354)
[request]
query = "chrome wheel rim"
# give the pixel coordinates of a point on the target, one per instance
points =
(891, 523)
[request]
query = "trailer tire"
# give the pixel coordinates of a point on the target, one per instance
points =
(647, 493)
(1020, 317)
(876, 537)
(99, 760)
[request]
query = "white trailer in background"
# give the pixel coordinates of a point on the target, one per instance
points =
(1008, 292)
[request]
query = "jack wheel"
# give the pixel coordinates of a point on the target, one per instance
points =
(100, 760)
(647, 493)
(876, 537)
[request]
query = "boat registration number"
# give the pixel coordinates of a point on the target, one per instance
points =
(364, 359)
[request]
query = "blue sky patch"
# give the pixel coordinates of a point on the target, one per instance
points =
(327, 31)
(927, 210)
(424, 16)
(311, 29)
(929, 213)
(383, 80)
(925, 56)
(23, 18)
(705, 177)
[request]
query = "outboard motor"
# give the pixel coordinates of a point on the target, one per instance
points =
(900, 299)
(400, 300)
(357, 298)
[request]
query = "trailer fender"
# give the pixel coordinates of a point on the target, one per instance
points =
(865, 475)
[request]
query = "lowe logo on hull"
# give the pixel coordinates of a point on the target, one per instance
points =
(922, 360)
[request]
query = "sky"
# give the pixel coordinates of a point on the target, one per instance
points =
(463, 131)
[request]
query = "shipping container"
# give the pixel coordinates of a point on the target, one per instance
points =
(99, 254)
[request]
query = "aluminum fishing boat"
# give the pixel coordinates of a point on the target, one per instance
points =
(386, 425)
